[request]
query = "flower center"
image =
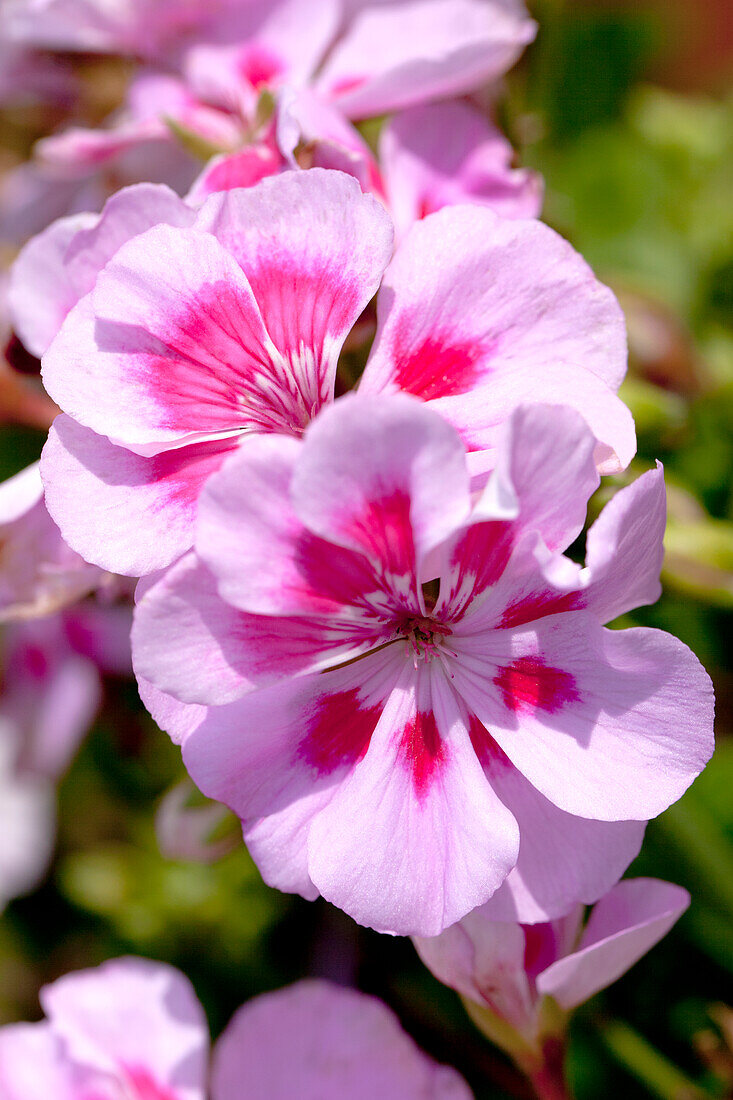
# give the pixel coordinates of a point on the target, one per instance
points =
(423, 636)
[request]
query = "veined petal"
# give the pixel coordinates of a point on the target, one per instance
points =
(563, 859)
(385, 477)
(608, 725)
(508, 294)
(189, 643)
(265, 560)
(277, 756)
(122, 511)
(313, 249)
(414, 837)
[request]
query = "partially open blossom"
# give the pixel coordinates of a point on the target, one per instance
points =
(39, 573)
(407, 695)
(508, 970)
(193, 338)
(132, 1029)
(442, 154)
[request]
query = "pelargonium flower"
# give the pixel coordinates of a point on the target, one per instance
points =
(132, 1029)
(407, 696)
(508, 970)
(194, 339)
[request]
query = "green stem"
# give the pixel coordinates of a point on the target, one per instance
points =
(644, 1062)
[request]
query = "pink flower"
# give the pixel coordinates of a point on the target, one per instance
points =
(132, 1029)
(192, 338)
(390, 683)
(38, 572)
(510, 969)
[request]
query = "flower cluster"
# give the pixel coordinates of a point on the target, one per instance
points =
(359, 614)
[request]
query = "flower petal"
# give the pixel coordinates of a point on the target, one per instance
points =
(132, 1014)
(623, 926)
(277, 756)
(608, 725)
(507, 295)
(189, 643)
(385, 477)
(442, 154)
(313, 1039)
(138, 513)
(393, 55)
(563, 859)
(414, 836)
(313, 249)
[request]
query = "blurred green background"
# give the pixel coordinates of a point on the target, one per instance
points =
(623, 107)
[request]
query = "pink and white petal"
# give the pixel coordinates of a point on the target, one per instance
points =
(624, 549)
(277, 756)
(414, 837)
(607, 725)
(320, 1041)
(182, 338)
(534, 503)
(623, 926)
(479, 416)
(483, 960)
(395, 55)
(441, 154)
(231, 170)
(127, 214)
(562, 859)
(34, 1065)
(265, 560)
(313, 249)
(63, 713)
(40, 292)
(133, 1018)
(383, 476)
(176, 719)
(191, 644)
(508, 295)
(138, 513)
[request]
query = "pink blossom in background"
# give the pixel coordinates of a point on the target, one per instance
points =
(29, 77)
(27, 820)
(443, 154)
(38, 572)
(132, 1029)
(402, 682)
(319, 1041)
(190, 340)
(129, 1029)
(510, 968)
(328, 61)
